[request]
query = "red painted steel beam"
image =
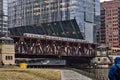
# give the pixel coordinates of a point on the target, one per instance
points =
(40, 46)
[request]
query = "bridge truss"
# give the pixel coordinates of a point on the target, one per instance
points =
(32, 44)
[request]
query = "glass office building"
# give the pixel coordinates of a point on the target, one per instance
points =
(3, 16)
(35, 12)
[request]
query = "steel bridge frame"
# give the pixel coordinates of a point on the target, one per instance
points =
(37, 46)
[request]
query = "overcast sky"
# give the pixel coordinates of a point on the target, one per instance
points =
(104, 0)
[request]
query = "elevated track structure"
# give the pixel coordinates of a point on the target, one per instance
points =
(35, 46)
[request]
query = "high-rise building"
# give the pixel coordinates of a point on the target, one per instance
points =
(109, 32)
(35, 12)
(3, 16)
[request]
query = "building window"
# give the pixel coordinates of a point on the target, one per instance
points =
(98, 59)
(9, 57)
(104, 59)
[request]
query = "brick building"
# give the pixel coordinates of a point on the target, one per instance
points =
(109, 32)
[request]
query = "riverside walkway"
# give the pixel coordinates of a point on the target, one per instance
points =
(72, 75)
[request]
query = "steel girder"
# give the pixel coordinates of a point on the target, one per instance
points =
(26, 45)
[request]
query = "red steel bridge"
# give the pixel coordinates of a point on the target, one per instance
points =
(33, 44)
(37, 46)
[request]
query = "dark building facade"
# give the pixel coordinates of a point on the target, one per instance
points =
(35, 12)
(109, 32)
(3, 16)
